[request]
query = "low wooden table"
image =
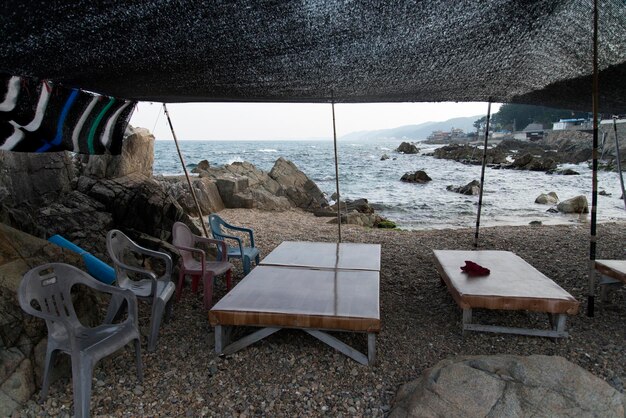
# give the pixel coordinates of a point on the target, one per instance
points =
(314, 298)
(325, 255)
(612, 274)
(512, 285)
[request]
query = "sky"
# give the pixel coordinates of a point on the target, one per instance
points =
(285, 121)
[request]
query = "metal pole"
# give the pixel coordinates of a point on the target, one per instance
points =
(619, 161)
(336, 172)
(182, 161)
(594, 177)
(482, 176)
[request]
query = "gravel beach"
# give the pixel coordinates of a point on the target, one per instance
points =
(292, 374)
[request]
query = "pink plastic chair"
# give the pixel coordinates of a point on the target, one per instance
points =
(185, 241)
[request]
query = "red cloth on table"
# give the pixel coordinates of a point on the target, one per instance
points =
(472, 269)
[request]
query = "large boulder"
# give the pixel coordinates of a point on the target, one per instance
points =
(298, 188)
(206, 191)
(137, 157)
(469, 154)
(136, 202)
(576, 204)
(471, 188)
(34, 178)
(534, 163)
(506, 385)
(407, 148)
(547, 199)
(419, 176)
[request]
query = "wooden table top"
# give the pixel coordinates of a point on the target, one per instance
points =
(513, 283)
(612, 268)
(325, 255)
(302, 298)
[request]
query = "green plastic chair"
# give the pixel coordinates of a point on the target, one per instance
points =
(220, 228)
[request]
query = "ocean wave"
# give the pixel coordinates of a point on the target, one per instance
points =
(268, 150)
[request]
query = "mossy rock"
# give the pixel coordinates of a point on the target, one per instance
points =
(386, 224)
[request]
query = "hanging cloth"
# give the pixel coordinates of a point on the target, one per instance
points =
(42, 116)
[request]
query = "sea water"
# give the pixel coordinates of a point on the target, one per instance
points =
(509, 195)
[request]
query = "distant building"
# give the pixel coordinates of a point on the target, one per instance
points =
(532, 132)
(576, 124)
(455, 135)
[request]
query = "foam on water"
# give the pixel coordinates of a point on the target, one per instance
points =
(508, 198)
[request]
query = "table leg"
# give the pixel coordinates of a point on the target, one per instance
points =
(371, 348)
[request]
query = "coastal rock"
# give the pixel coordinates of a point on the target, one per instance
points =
(534, 163)
(136, 202)
(298, 188)
(547, 199)
(576, 204)
(384, 157)
(206, 190)
(34, 178)
(137, 157)
(368, 220)
(359, 205)
(407, 148)
(471, 188)
(202, 166)
(568, 172)
(469, 154)
(419, 176)
(507, 385)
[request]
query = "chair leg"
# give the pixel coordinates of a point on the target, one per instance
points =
(229, 279)
(82, 371)
(246, 265)
(181, 282)
(155, 323)
(194, 283)
(257, 259)
(49, 363)
(208, 290)
(138, 360)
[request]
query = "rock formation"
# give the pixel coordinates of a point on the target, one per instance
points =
(547, 199)
(419, 176)
(576, 204)
(471, 188)
(507, 385)
(407, 148)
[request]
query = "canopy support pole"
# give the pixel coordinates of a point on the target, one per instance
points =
(482, 175)
(594, 177)
(336, 173)
(182, 161)
(619, 161)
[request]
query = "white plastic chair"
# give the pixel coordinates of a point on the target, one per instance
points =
(50, 286)
(144, 283)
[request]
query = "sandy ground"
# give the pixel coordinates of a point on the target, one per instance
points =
(292, 374)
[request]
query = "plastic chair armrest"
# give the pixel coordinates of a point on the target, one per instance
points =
(156, 254)
(217, 242)
(235, 239)
(193, 250)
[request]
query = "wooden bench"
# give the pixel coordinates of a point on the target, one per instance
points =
(513, 284)
(612, 274)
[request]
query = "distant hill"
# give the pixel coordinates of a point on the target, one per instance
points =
(414, 132)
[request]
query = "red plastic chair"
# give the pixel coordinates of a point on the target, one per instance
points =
(185, 241)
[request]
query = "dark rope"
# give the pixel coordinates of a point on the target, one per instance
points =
(482, 176)
(182, 161)
(594, 177)
(336, 172)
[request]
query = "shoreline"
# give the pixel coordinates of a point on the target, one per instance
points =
(292, 374)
